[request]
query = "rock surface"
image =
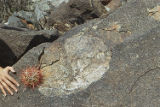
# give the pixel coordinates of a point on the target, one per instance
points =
(7, 7)
(75, 12)
(61, 14)
(38, 11)
(132, 78)
(33, 11)
(125, 46)
(15, 42)
(72, 64)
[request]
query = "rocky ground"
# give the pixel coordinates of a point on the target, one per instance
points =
(108, 56)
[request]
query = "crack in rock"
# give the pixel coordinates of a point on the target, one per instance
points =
(132, 86)
(82, 61)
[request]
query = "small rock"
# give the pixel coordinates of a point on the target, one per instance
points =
(14, 22)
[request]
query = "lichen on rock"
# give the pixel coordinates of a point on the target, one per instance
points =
(73, 66)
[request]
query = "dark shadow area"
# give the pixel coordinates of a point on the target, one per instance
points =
(105, 2)
(7, 57)
(37, 40)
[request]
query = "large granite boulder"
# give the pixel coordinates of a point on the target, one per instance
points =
(112, 62)
(15, 42)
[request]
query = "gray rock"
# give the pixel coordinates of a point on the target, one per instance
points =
(65, 14)
(75, 12)
(130, 64)
(24, 19)
(0, 20)
(72, 64)
(44, 6)
(31, 57)
(14, 22)
(128, 21)
(15, 42)
(28, 16)
(111, 31)
(7, 7)
(133, 72)
(133, 75)
(38, 8)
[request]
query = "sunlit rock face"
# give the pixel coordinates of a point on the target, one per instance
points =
(74, 65)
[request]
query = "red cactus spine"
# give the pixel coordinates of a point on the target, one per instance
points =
(31, 77)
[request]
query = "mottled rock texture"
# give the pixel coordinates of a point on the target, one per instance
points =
(61, 14)
(72, 64)
(39, 8)
(7, 7)
(75, 12)
(126, 48)
(132, 78)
